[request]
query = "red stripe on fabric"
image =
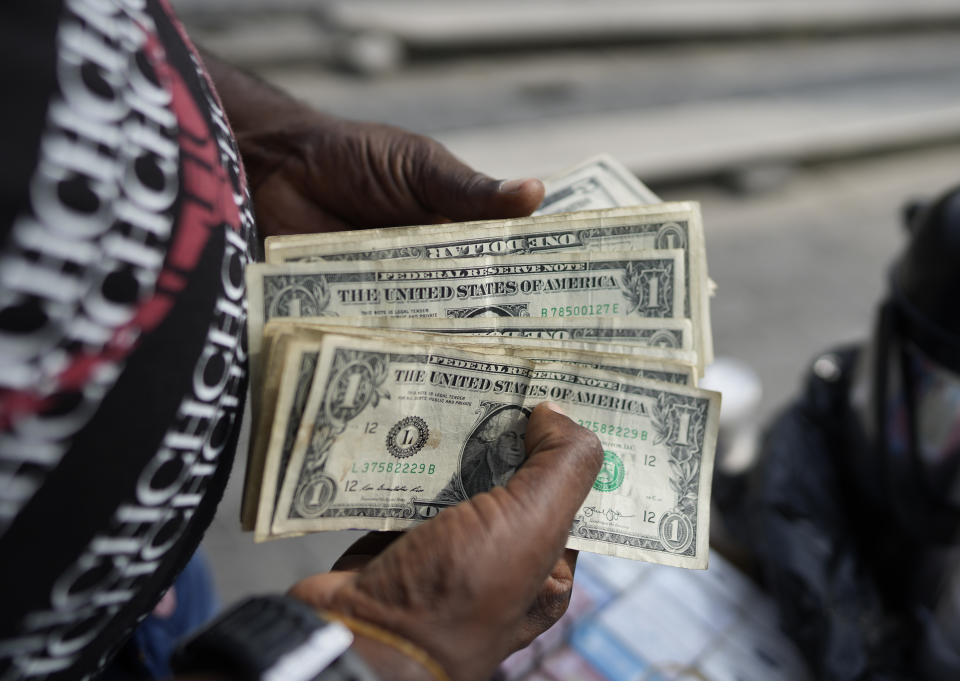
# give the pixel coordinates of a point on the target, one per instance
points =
(150, 314)
(191, 234)
(191, 237)
(16, 403)
(171, 281)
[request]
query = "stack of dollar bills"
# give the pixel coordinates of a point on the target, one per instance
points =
(394, 370)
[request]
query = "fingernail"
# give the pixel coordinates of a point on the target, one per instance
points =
(511, 186)
(554, 407)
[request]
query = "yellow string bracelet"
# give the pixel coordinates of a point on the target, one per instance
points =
(398, 643)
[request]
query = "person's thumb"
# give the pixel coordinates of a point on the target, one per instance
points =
(562, 464)
(458, 193)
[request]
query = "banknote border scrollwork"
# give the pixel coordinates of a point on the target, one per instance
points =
(397, 253)
(508, 309)
(686, 535)
(403, 511)
(668, 228)
(595, 236)
(312, 289)
(634, 281)
(666, 338)
(327, 427)
(685, 453)
(308, 365)
(684, 462)
(328, 492)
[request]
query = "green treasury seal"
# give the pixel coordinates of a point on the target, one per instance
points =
(610, 476)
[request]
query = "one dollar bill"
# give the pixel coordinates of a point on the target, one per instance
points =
(392, 433)
(659, 226)
(538, 342)
(641, 284)
(599, 182)
(534, 344)
(669, 340)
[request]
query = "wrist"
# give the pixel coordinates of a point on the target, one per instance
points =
(393, 642)
(272, 638)
(388, 662)
(387, 638)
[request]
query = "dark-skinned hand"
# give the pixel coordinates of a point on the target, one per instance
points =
(323, 174)
(483, 578)
(312, 172)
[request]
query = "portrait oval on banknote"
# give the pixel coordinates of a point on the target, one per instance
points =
(494, 450)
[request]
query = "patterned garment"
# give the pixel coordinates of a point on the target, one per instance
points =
(125, 226)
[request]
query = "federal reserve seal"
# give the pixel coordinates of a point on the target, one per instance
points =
(611, 473)
(407, 437)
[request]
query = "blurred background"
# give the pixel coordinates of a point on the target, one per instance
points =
(801, 127)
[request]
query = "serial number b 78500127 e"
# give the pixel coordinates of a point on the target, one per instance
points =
(586, 310)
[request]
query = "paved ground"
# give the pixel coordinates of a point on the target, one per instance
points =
(799, 267)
